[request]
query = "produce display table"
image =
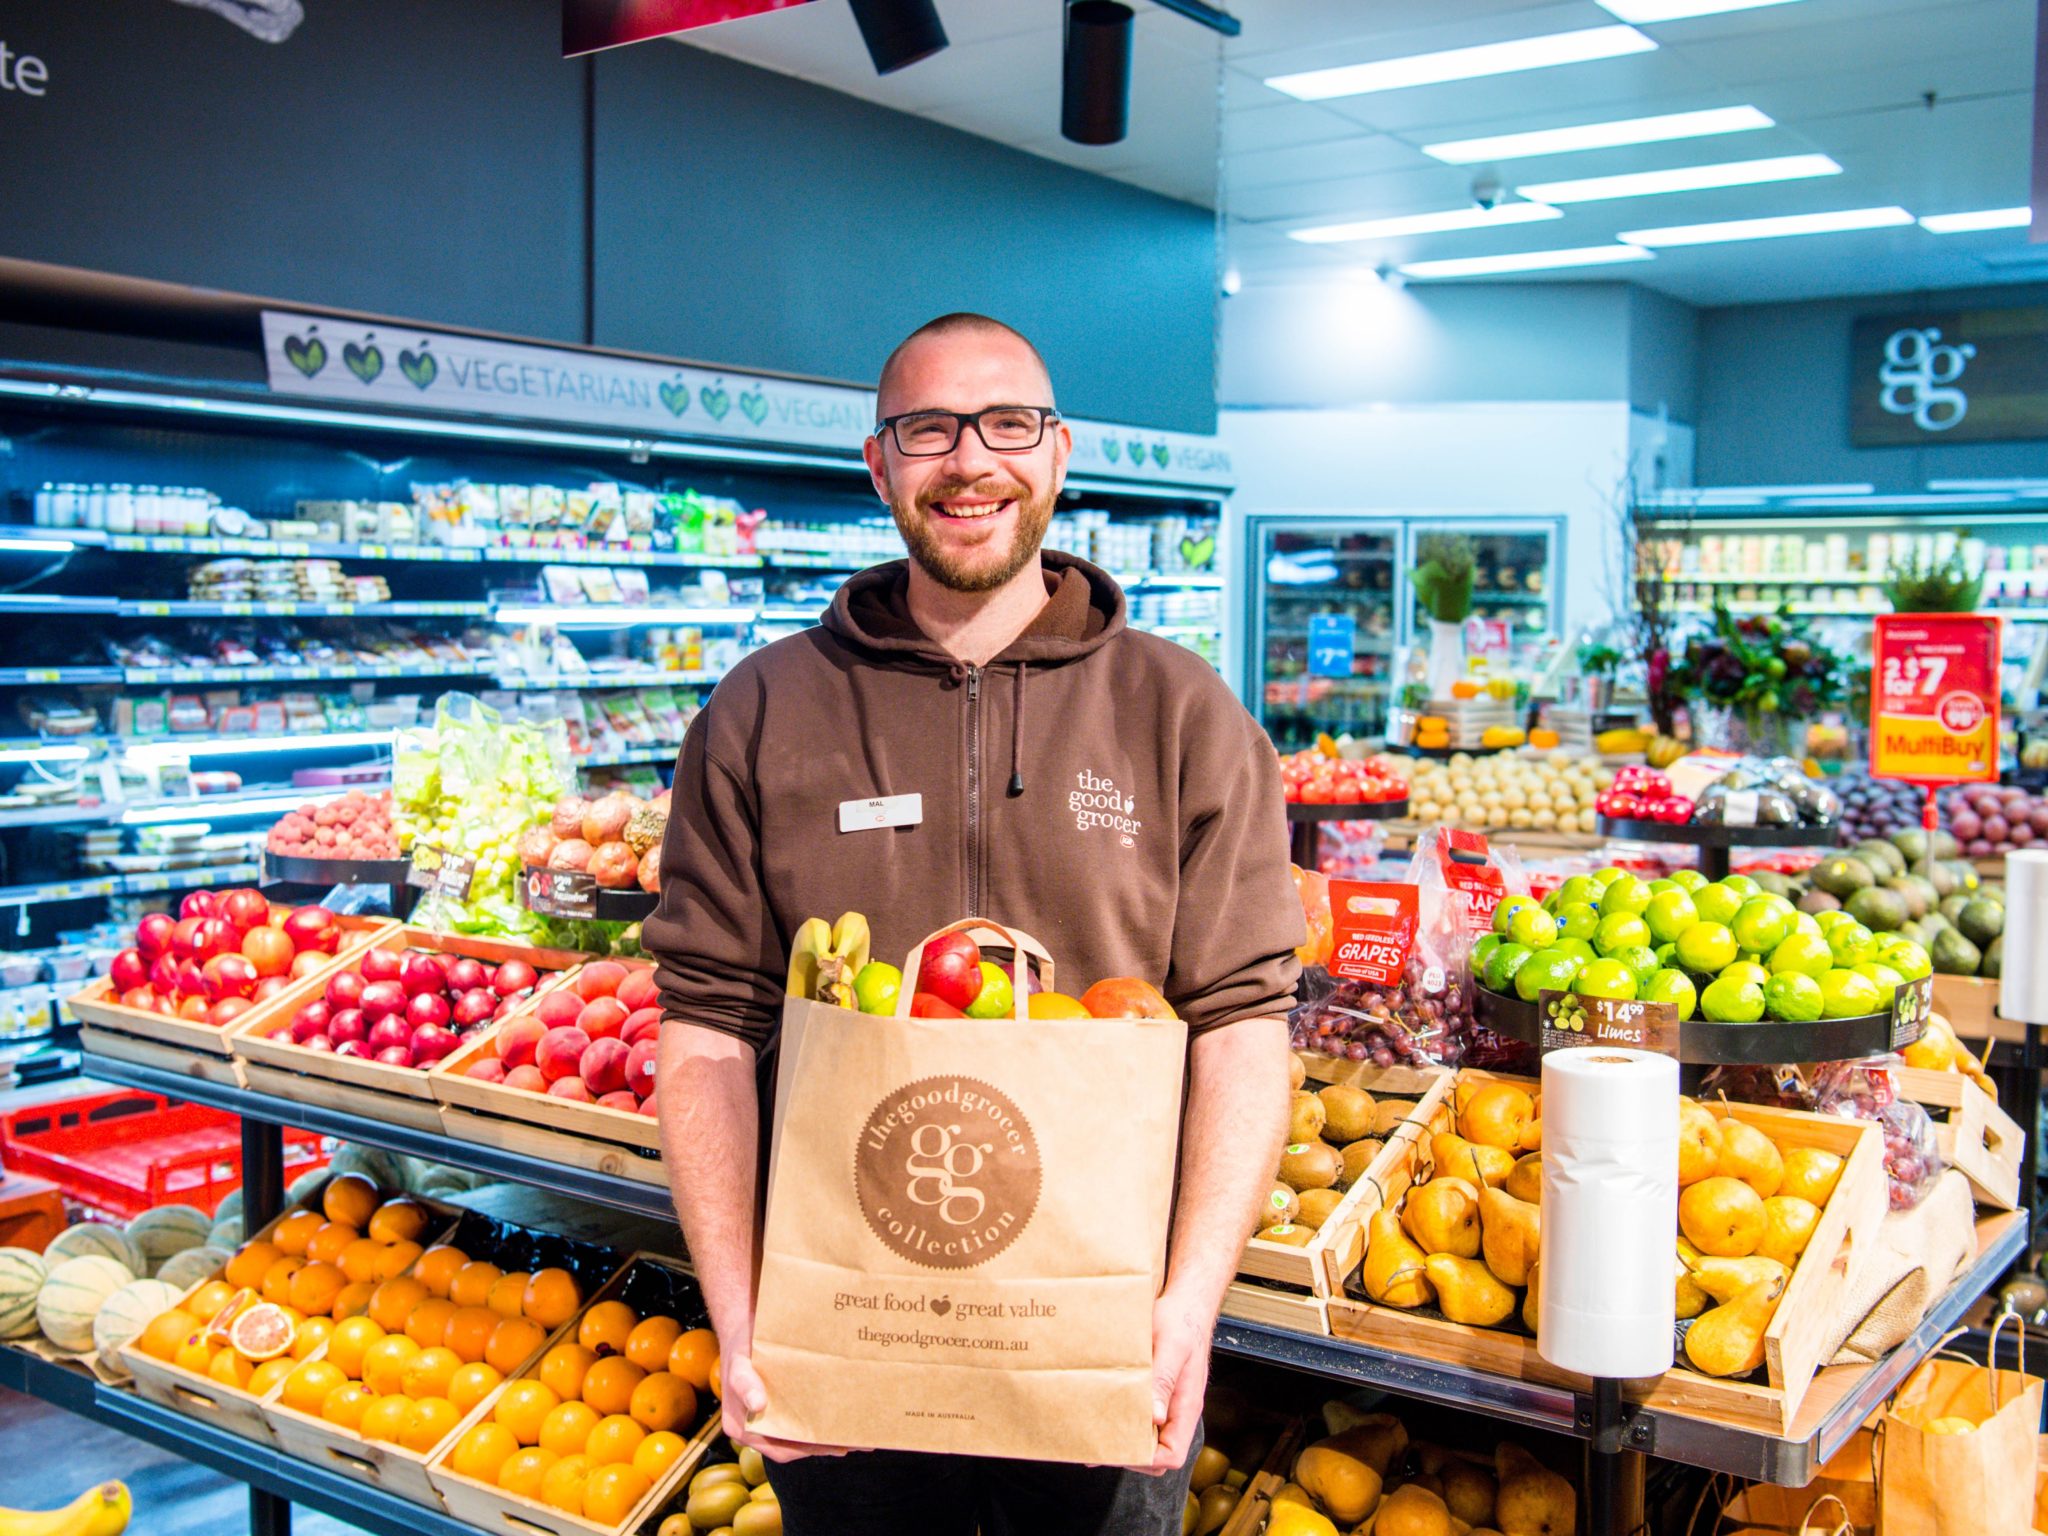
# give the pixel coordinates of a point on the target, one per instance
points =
(1702, 1042)
(324, 874)
(1305, 822)
(1714, 843)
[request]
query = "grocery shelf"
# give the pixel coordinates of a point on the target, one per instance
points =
(658, 754)
(61, 815)
(127, 885)
(236, 610)
(30, 677)
(309, 673)
(644, 678)
(17, 602)
(33, 749)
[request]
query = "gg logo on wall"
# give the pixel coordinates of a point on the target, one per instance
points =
(947, 1172)
(1935, 377)
(1918, 378)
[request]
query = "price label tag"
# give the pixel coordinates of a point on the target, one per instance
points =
(1910, 1006)
(1332, 644)
(561, 892)
(1934, 697)
(1570, 1021)
(453, 877)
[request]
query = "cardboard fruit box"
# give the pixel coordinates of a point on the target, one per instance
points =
(1843, 1242)
(376, 1090)
(194, 1048)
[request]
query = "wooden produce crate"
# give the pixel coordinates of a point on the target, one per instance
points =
(1970, 1004)
(1974, 1134)
(194, 1049)
(392, 1467)
(651, 1284)
(1844, 1241)
(1320, 1267)
(596, 1137)
(1255, 1504)
(373, 1089)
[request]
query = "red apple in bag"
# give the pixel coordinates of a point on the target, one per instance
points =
(950, 971)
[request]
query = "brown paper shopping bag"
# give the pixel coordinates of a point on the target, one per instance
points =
(1974, 1482)
(966, 1227)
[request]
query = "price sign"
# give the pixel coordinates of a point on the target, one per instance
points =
(1571, 1021)
(561, 892)
(1332, 644)
(1910, 1006)
(1934, 698)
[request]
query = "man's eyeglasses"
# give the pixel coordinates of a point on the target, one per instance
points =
(1003, 428)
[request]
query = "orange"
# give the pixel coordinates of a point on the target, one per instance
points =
(310, 1335)
(662, 1401)
(552, 1297)
(563, 1366)
(608, 1385)
(610, 1493)
(522, 1406)
(393, 1302)
(331, 1241)
(194, 1355)
(432, 1420)
(468, 1330)
(352, 1299)
(309, 1383)
(716, 1390)
(507, 1293)
(482, 1452)
(437, 1266)
(248, 1267)
(616, 1438)
(562, 1487)
(314, 1288)
(692, 1356)
(231, 1368)
(427, 1323)
(359, 1259)
(395, 1259)
(347, 1404)
(472, 1284)
(167, 1330)
(294, 1233)
(647, 1346)
(606, 1327)
(523, 1471)
(429, 1372)
(269, 1374)
(207, 1301)
(566, 1429)
(385, 1419)
(350, 1338)
(384, 1363)
(471, 1384)
(351, 1198)
(277, 1280)
(512, 1341)
(658, 1452)
(398, 1221)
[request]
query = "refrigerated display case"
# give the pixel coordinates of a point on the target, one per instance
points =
(1513, 577)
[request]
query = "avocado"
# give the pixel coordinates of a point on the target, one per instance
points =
(1842, 875)
(1912, 842)
(1954, 955)
(1819, 901)
(1911, 929)
(1772, 883)
(1981, 921)
(1879, 910)
(1964, 871)
(1943, 879)
(1908, 890)
(1991, 890)
(1879, 854)
(1951, 906)
(1946, 846)
(1993, 963)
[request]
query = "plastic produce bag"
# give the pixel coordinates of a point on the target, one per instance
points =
(1855, 1090)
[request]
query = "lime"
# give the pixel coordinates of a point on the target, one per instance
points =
(1888, 980)
(1904, 956)
(1826, 921)
(1502, 964)
(1673, 987)
(1669, 914)
(1548, 970)
(1505, 912)
(875, 987)
(1747, 970)
(1729, 1001)
(1578, 888)
(1578, 947)
(995, 1000)
(1667, 955)
(1804, 954)
(1606, 877)
(1741, 885)
(1716, 904)
(1806, 922)
(1846, 995)
(1626, 894)
(1639, 958)
(1664, 883)
(1620, 930)
(1532, 926)
(1606, 978)
(1851, 943)
(1483, 946)
(1762, 923)
(1691, 880)
(1705, 948)
(1793, 996)
(1578, 919)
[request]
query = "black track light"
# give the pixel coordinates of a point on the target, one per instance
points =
(898, 32)
(1095, 89)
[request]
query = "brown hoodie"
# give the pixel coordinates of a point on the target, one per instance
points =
(1095, 786)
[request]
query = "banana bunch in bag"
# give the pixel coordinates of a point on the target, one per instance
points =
(825, 957)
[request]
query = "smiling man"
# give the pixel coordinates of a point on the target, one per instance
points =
(1048, 767)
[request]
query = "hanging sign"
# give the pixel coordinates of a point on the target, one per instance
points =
(1934, 697)
(1332, 644)
(588, 25)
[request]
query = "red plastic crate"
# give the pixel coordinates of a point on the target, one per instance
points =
(123, 1153)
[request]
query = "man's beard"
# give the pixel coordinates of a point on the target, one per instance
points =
(946, 567)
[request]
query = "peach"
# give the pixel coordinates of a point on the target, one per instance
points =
(643, 1024)
(527, 1078)
(603, 1066)
(638, 991)
(487, 1069)
(650, 1107)
(602, 1018)
(519, 1039)
(572, 1088)
(640, 1067)
(558, 1008)
(559, 1051)
(600, 978)
(621, 1100)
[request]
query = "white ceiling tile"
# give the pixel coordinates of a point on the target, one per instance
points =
(1364, 154)
(1282, 126)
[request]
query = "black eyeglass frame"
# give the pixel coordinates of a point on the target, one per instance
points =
(962, 420)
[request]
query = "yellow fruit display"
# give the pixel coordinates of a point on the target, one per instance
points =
(483, 1450)
(566, 1429)
(1722, 1217)
(384, 1363)
(523, 1471)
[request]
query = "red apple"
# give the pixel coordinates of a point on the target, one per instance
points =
(394, 1056)
(217, 936)
(621, 1100)
(559, 1008)
(383, 997)
(640, 1067)
(390, 1031)
(925, 1006)
(600, 978)
(518, 1040)
(355, 1048)
(270, 986)
(198, 904)
(163, 974)
(381, 965)
(431, 1042)
(514, 976)
(951, 971)
(227, 1010)
(191, 980)
(246, 909)
(193, 1007)
(571, 1088)
(139, 997)
(475, 1006)
(347, 1025)
(644, 1025)
(638, 990)
(229, 975)
(128, 971)
(465, 974)
(602, 1066)
(317, 1012)
(421, 974)
(153, 934)
(602, 1018)
(185, 938)
(320, 1043)
(313, 928)
(305, 963)
(486, 1069)
(427, 1008)
(305, 1026)
(527, 1078)
(344, 990)
(559, 1051)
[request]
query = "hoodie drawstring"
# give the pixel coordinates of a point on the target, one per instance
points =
(1017, 734)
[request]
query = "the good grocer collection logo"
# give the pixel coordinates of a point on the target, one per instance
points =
(1097, 802)
(947, 1172)
(1918, 378)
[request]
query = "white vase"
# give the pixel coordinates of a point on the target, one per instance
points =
(1446, 657)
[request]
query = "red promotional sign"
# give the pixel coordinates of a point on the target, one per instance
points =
(1934, 697)
(1375, 930)
(588, 25)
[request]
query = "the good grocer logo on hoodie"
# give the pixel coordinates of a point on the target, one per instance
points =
(1096, 802)
(947, 1172)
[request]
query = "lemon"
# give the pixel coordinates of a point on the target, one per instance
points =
(1904, 956)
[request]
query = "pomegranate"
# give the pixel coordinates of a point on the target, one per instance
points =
(535, 844)
(571, 853)
(605, 820)
(613, 866)
(567, 820)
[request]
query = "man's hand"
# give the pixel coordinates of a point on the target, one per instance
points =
(745, 1398)
(1180, 1375)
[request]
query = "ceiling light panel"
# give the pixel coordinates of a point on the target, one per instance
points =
(1526, 261)
(1647, 13)
(1632, 130)
(1527, 53)
(1837, 222)
(1971, 223)
(1444, 222)
(1689, 178)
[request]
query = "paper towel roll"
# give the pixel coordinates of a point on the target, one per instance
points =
(2023, 987)
(1605, 1299)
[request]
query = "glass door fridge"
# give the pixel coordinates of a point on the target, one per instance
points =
(1516, 577)
(1322, 625)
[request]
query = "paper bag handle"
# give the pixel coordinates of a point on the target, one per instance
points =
(1991, 1351)
(979, 929)
(1840, 1526)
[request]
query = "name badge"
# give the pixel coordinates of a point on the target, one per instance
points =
(890, 811)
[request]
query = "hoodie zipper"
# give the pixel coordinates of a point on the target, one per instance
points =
(974, 791)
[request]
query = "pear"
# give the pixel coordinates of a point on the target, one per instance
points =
(1469, 1491)
(1525, 1182)
(1788, 1227)
(1344, 1485)
(1699, 1143)
(1347, 1113)
(1292, 1517)
(1413, 1510)
(1529, 1302)
(1214, 1507)
(1210, 1467)
(1443, 1216)
(1729, 1340)
(1377, 1439)
(1725, 1279)
(1688, 1298)
(1811, 1174)
(1470, 1161)
(1304, 1118)
(1722, 1217)
(1509, 1232)
(1393, 1272)
(1751, 1156)
(1533, 1500)
(1497, 1116)
(1466, 1291)
(1356, 1161)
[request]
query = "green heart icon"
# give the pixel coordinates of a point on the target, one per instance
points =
(364, 362)
(1198, 553)
(419, 366)
(1112, 450)
(716, 401)
(1137, 453)
(1160, 454)
(309, 356)
(754, 406)
(676, 396)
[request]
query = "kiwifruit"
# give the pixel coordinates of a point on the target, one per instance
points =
(1316, 1205)
(1388, 1114)
(1305, 1118)
(1310, 1165)
(709, 1508)
(1356, 1159)
(1297, 1073)
(1347, 1113)
(1280, 1206)
(1293, 1235)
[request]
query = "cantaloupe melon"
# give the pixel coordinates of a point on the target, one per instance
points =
(22, 1272)
(373, 1163)
(305, 1189)
(126, 1313)
(168, 1230)
(72, 1296)
(226, 1233)
(184, 1270)
(230, 1205)
(100, 1237)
